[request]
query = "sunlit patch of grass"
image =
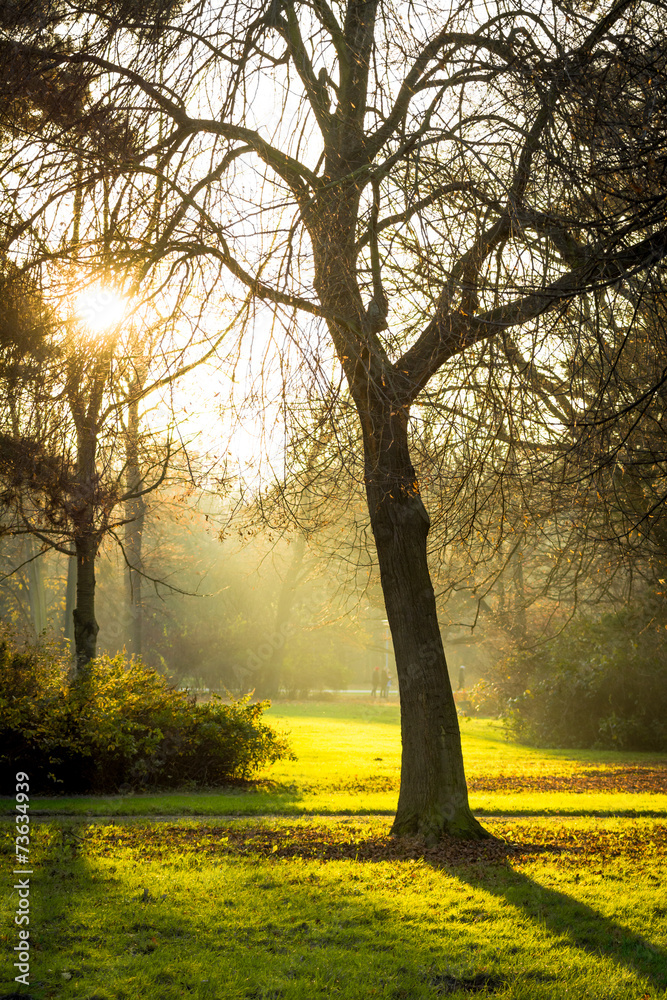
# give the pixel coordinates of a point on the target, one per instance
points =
(303, 907)
(348, 761)
(354, 803)
(129, 911)
(338, 741)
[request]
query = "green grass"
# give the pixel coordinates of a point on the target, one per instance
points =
(296, 906)
(348, 762)
(130, 911)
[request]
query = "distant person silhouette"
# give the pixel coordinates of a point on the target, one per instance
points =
(462, 677)
(384, 680)
(375, 680)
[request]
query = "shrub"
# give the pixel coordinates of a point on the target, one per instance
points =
(123, 727)
(483, 698)
(599, 684)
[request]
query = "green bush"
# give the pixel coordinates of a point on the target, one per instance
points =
(484, 699)
(123, 727)
(599, 684)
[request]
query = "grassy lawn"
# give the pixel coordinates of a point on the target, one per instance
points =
(569, 902)
(298, 909)
(348, 762)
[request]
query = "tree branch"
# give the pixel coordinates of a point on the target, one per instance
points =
(449, 334)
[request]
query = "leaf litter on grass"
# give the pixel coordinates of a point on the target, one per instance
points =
(600, 779)
(612, 779)
(347, 841)
(404, 899)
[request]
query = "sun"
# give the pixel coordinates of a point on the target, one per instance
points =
(100, 308)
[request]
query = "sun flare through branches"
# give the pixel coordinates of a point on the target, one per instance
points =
(100, 309)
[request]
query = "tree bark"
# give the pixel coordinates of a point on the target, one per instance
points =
(85, 622)
(86, 545)
(433, 799)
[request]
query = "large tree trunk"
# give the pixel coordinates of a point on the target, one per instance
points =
(433, 798)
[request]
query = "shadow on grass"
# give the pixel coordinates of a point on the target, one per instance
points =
(583, 926)
(64, 879)
(60, 874)
(485, 866)
(260, 798)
